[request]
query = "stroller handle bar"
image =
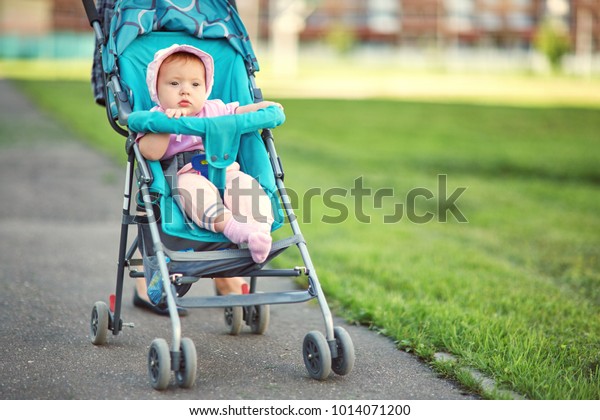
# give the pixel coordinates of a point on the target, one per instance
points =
(94, 18)
(157, 122)
(221, 135)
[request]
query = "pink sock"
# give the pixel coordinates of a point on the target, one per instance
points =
(259, 244)
(256, 235)
(237, 232)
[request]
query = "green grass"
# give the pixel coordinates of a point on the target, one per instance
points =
(513, 293)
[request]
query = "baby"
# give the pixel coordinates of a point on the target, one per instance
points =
(180, 79)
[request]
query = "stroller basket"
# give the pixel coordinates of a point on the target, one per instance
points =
(171, 245)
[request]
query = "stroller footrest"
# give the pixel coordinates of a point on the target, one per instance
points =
(244, 300)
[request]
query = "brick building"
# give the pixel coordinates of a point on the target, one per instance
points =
(584, 24)
(501, 23)
(69, 15)
(493, 23)
(446, 23)
(31, 17)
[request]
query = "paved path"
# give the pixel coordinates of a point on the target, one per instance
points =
(59, 226)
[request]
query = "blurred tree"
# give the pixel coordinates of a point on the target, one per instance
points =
(552, 40)
(341, 38)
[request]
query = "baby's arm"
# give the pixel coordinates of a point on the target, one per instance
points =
(154, 145)
(255, 107)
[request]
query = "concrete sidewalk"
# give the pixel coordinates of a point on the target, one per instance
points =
(59, 231)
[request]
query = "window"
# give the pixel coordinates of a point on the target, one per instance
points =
(519, 21)
(459, 14)
(521, 3)
(383, 16)
(459, 6)
(490, 21)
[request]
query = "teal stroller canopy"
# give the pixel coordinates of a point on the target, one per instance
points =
(206, 19)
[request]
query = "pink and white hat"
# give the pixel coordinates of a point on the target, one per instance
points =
(161, 55)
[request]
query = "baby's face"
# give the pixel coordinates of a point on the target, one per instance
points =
(181, 85)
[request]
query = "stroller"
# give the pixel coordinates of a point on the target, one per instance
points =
(171, 245)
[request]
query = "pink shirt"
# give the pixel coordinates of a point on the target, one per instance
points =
(184, 143)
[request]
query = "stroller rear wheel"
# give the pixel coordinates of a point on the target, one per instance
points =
(259, 318)
(234, 316)
(186, 375)
(317, 356)
(99, 323)
(159, 364)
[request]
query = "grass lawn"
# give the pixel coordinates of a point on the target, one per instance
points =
(512, 291)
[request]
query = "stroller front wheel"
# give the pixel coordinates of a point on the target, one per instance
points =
(186, 375)
(317, 356)
(159, 364)
(344, 362)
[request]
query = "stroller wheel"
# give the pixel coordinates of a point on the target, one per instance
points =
(99, 323)
(159, 364)
(234, 316)
(344, 362)
(317, 356)
(259, 318)
(186, 375)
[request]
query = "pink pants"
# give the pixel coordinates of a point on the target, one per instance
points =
(244, 198)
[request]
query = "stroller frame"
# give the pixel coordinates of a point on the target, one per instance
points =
(322, 354)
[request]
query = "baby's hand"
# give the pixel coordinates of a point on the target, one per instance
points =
(175, 112)
(265, 104)
(255, 107)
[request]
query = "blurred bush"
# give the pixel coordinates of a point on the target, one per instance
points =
(552, 40)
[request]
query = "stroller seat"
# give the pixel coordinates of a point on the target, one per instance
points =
(231, 84)
(225, 139)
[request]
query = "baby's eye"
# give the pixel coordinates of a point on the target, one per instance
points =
(196, 84)
(173, 83)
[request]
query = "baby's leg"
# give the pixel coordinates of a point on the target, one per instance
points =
(202, 202)
(246, 199)
(202, 196)
(251, 210)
